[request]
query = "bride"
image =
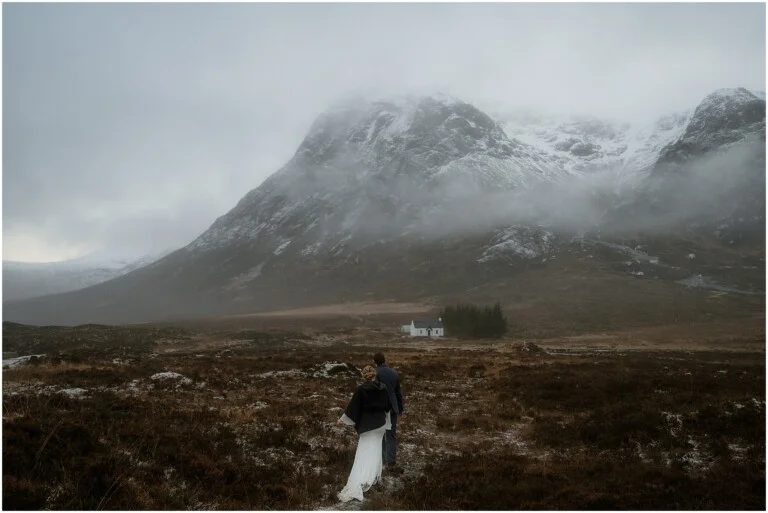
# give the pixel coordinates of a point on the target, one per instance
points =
(368, 411)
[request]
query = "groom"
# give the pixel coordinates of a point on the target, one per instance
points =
(389, 377)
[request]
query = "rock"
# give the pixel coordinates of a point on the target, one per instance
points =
(527, 347)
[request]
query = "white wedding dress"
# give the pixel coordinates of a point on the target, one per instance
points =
(366, 470)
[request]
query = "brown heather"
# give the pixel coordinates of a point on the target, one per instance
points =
(618, 421)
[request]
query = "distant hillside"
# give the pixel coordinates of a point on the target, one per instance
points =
(23, 280)
(430, 199)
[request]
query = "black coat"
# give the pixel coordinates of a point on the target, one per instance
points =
(391, 378)
(368, 406)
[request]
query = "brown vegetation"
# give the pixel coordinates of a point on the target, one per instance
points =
(149, 418)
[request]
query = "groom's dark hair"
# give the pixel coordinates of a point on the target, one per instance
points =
(378, 358)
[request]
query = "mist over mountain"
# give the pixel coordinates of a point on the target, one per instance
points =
(429, 198)
(23, 280)
(712, 179)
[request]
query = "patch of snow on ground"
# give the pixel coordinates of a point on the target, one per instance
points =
(641, 453)
(675, 422)
(20, 360)
(514, 438)
(135, 460)
(637, 254)
(705, 282)
(164, 376)
(240, 280)
(312, 249)
(695, 458)
(133, 387)
(323, 370)
(520, 243)
(73, 392)
(292, 373)
(282, 247)
(739, 452)
(331, 369)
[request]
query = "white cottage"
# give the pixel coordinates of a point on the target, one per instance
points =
(427, 328)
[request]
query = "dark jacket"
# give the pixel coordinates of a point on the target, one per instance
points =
(368, 406)
(389, 377)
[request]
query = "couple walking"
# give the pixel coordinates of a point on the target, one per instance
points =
(373, 410)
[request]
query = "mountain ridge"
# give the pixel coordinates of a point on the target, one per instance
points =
(23, 280)
(382, 198)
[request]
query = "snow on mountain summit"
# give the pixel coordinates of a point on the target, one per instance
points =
(734, 94)
(366, 161)
(585, 144)
(427, 196)
(724, 117)
(389, 126)
(370, 162)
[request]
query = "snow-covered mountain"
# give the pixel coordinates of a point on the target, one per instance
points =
(22, 280)
(711, 179)
(724, 118)
(414, 197)
(366, 167)
(585, 144)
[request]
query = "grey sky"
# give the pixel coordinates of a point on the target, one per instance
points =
(131, 127)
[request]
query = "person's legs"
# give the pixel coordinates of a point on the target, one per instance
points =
(389, 444)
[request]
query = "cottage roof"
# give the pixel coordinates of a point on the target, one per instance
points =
(427, 323)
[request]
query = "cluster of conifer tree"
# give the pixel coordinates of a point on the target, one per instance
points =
(474, 321)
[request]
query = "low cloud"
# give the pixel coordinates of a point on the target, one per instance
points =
(121, 114)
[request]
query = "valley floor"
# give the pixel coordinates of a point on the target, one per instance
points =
(241, 416)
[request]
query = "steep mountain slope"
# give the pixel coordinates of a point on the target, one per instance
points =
(22, 280)
(711, 181)
(725, 117)
(419, 198)
(376, 166)
(584, 144)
